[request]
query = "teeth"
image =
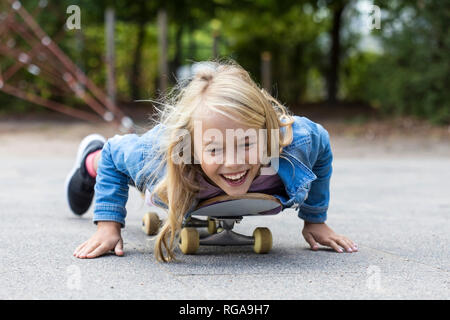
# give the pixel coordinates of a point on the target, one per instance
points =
(235, 176)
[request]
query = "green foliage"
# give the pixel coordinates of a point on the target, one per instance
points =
(356, 72)
(291, 36)
(409, 75)
(412, 75)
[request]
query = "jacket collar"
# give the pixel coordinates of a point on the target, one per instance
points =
(294, 173)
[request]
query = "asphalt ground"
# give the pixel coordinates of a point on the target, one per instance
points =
(388, 194)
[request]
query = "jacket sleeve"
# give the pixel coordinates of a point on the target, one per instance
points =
(314, 208)
(122, 159)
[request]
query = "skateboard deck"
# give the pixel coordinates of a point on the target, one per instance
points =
(222, 212)
(238, 206)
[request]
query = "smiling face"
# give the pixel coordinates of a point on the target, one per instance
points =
(232, 170)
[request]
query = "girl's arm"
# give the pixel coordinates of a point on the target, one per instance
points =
(314, 208)
(120, 165)
(111, 187)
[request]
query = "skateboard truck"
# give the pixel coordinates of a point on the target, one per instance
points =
(227, 237)
(222, 209)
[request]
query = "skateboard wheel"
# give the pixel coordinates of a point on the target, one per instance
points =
(212, 226)
(190, 240)
(263, 240)
(150, 223)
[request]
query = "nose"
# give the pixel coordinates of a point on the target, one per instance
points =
(234, 158)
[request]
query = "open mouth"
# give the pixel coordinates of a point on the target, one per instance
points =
(236, 179)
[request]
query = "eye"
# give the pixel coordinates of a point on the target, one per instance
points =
(214, 150)
(249, 144)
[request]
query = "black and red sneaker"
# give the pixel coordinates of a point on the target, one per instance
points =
(79, 184)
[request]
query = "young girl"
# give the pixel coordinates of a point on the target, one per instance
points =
(220, 97)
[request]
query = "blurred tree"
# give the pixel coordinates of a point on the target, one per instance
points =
(188, 15)
(337, 8)
(313, 45)
(139, 13)
(412, 74)
(286, 29)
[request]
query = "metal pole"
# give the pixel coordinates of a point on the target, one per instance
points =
(110, 54)
(57, 66)
(266, 71)
(79, 75)
(162, 44)
(215, 48)
(47, 103)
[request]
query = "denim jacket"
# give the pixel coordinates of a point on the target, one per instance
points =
(305, 167)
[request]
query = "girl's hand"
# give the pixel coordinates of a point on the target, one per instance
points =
(315, 233)
(106, 238)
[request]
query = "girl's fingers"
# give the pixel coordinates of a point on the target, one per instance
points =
(344, 244)
(118, 250)
(88, 249)
(312, 242)
(351, 244)
(334, 245)
(101, 249)
(354, 245)
(79, 248)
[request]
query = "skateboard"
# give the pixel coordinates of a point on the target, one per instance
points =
(219, 215)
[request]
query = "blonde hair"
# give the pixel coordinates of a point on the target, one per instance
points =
(226, 88)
